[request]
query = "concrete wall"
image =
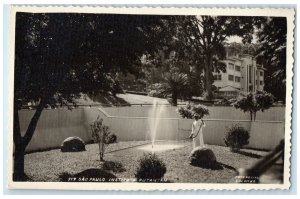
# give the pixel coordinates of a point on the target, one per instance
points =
(216, 112)
(263, 134)
(53, 127)
(57, 124)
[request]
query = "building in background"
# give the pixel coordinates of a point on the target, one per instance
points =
(242, 74)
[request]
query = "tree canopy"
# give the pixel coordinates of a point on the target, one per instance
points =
(272, 53)
(58, 56)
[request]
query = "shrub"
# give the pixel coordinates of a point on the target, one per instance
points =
(189, 111)
(156, 90)
(236, 137)
(150, 168)
(102, 135)
(222, 102)
(203, 157)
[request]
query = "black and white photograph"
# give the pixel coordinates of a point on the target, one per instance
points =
(167, 99)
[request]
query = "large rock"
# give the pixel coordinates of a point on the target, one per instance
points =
(203, 157)
(72, 144)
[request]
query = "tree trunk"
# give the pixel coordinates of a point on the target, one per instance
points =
(251, 115)
(208, 80)
(174, 99)
(19, 174)
(22, 142)
(101, 152)
(254, 116)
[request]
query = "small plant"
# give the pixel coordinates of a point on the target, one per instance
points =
(189, 111)
(236, 137)
(150, 168)
(102, 135)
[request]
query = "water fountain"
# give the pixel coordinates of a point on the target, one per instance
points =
(156, 125)
(154, 120)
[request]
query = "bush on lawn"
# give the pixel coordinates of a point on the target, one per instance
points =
(150, 168)
(102, 135)
(236, 137)
(72, 144)
(203, 157)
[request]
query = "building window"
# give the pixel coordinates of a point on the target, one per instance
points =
(237, 68)
(261, 82)
(218, 77)
(237, 79)
(230, 78)
(261, 73)
(231, 66)
(250, 74)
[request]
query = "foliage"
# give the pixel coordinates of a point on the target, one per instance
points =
(175, 85)
(59, 56)
(156, 90)
(102, 135)
(272, 39)
(236, 137)
(190, 111)
(207, 36)
(150, 167)
(223, 102)
(253, 102)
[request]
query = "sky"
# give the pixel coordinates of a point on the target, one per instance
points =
(239, 39)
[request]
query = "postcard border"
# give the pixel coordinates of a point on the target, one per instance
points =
(284, 12)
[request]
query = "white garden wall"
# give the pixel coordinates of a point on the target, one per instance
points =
(131, 123)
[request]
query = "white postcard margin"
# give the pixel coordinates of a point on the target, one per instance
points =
(131, 186)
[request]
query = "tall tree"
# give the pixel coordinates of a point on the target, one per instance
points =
(207, 35)
(272, 53)
(60, 55)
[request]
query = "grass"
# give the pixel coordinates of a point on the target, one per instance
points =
(50, 165)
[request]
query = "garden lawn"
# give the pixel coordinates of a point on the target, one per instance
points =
(48, 165)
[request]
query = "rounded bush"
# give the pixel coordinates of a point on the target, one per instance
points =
(111, 138)
(236, 137)
(72, 144)
(203, 157)
(150, 168)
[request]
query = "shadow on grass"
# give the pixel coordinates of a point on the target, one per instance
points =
(215, 166)
(113, 166)
(89, 175)
(249, 154)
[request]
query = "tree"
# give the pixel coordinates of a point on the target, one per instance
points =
(254, 102)
(58, 56)
(189, 111)
(272, 53)
(175, 85)
(207, 34)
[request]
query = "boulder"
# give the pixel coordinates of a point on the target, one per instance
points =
(72, 144)
(203, 157)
